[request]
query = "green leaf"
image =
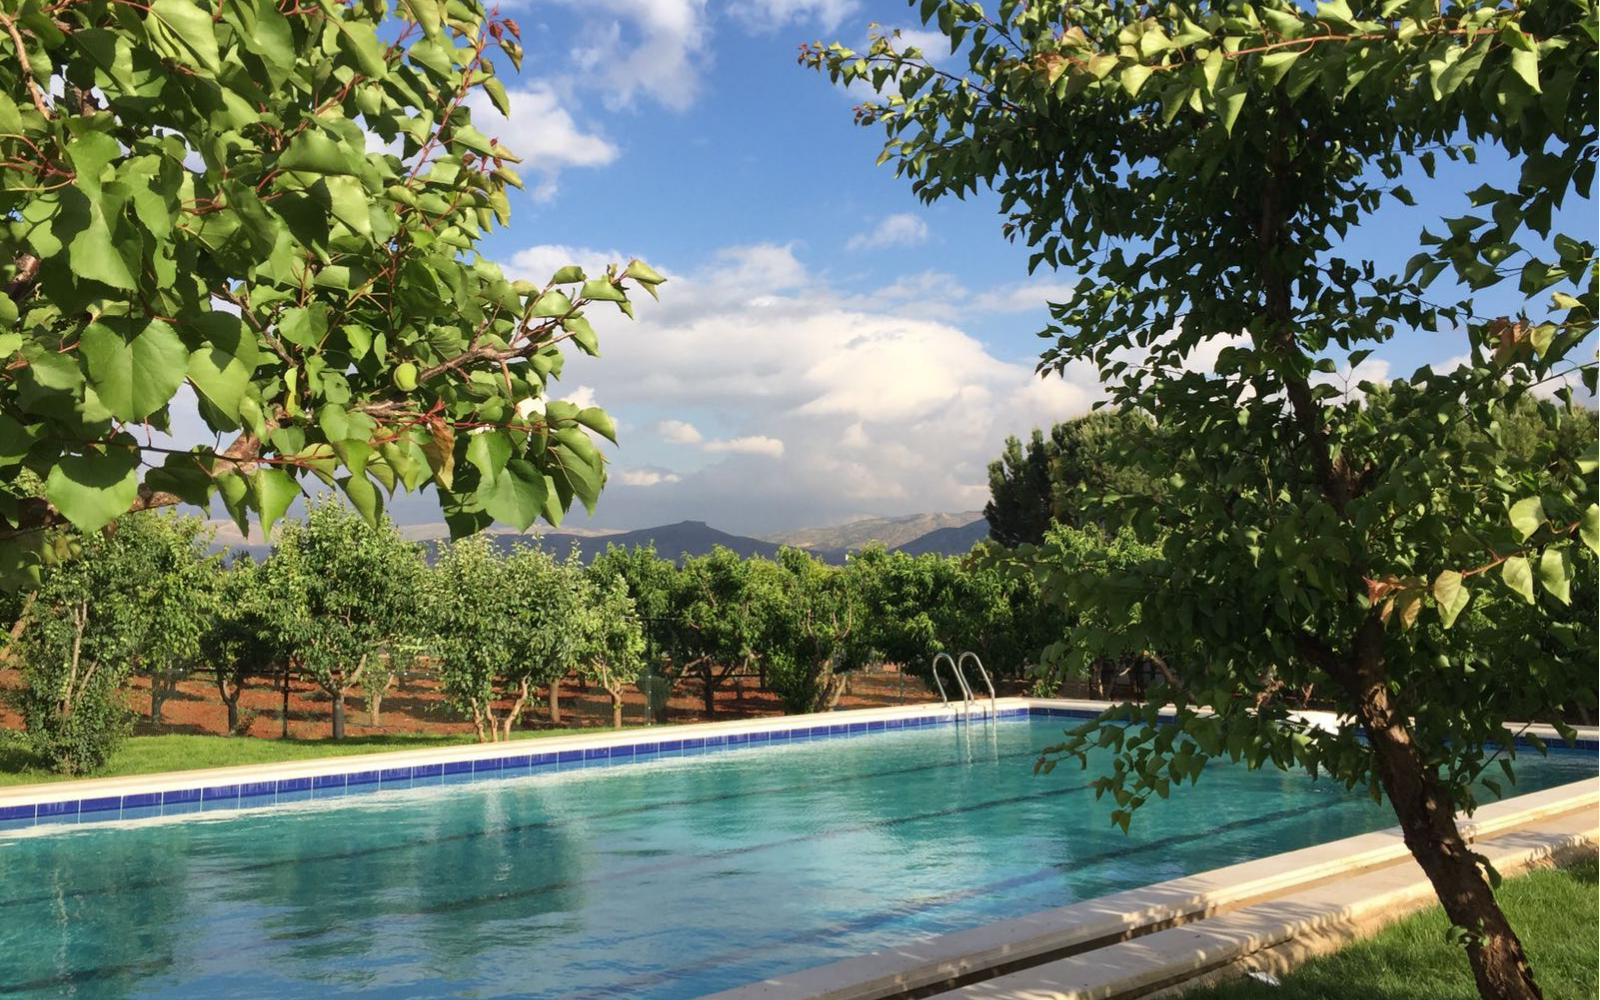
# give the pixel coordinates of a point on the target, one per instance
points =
(1230, 100)
(1553, 575)
(582, 334)
(1133, 77)
(517, 496)
(497, 95)
(488, 451)
(358, 40)
(1589, 528)
(221, 369)
(1459, 599)
(349, 203)
(1525, 63)
(602, 290)
(552, 303)
(1275, 65)
(598, 421)
(274, 491)
(364, 497)
(312, 151)
(133, 378)
(81, 225)
(1446, 587)
(1527, 516)
(93, 489)
(192, 27)
(643, 273)
(1518, 575)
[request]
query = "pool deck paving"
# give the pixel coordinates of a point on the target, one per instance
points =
(1266, 915)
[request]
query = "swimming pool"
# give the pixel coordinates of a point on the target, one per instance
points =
(666, 879)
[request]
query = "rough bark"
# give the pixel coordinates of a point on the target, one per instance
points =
(616, 707)
(555, 701)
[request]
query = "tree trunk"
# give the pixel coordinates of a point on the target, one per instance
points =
(233, 714)
(515, 711)
(555, 701)
(616, 708)
(708, 690)
(1427, 822)
(338, 713)
(374, 707)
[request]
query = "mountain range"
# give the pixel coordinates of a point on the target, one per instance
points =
(943, 534)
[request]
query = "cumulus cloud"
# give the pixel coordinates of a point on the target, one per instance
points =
(767, 15)
(541, 130)
(643, 48)
(902, 229)
(818, 405)
(645, 477)
(678, 432)
(538, 263)
(582, 397)
(755, 444)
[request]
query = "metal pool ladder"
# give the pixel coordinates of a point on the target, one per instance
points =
(993, 707)
(961, 680)
(955, 668)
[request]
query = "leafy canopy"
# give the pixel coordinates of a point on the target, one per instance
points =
(202, 203)
(1199, 164)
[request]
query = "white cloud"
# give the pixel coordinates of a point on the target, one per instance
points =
(1020, 296)
(582, 397)
(934, 45)
(654, 49)
(756, 444)
(902, 229)
(825, 405)
(538, 263)
(541, 130)
(767, 15)
(645, 477)
(678, 432)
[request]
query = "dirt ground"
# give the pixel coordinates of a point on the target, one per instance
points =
(416, 705)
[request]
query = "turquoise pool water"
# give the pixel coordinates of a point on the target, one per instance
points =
(663, 880)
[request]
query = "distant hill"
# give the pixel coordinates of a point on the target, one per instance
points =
(694, 538)
(672, 541)
(953, 541)
(891, 531)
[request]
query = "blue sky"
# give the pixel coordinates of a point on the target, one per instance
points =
(827, 348)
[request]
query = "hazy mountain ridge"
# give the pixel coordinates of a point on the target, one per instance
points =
(893, 532)
(950, 541)
(694, 538)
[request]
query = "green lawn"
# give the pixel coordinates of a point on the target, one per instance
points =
(1554, 911)
(181, 752)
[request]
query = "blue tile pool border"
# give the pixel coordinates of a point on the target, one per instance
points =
(649, 746)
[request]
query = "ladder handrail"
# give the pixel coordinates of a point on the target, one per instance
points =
(966, 692)
(993, 708)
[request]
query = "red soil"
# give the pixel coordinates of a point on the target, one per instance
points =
(417, 706)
